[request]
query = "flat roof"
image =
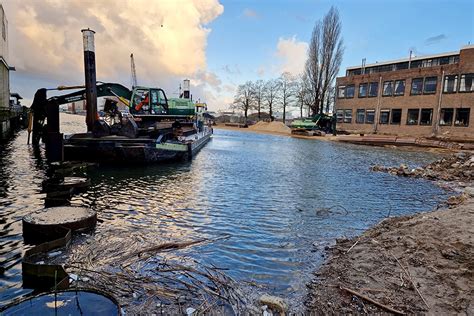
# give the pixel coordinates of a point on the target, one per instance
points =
(408, 59)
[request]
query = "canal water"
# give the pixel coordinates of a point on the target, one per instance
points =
(279, 199)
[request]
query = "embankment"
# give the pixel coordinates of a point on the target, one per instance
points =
(420, 264)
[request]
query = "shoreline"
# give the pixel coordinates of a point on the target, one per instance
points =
(414, 264)
(337, 139)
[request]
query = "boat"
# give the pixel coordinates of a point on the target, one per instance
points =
(147, 127)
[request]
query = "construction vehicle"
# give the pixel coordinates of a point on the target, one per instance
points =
(146, 107)
(313, 126)
(149, 128)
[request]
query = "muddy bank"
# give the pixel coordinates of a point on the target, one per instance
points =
(415, 264)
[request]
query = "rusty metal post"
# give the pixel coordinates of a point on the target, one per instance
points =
(90, 74)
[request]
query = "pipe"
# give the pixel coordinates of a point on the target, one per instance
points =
(90, 77)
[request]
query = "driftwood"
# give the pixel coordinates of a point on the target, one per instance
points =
(411, 280)
(368, 299)
(357, 241)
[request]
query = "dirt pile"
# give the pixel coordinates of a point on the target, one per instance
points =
(416, 264)
(458, 167)
(420, 264)
(275, 127)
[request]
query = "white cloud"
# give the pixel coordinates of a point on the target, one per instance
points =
(168, 39)
(292, 54)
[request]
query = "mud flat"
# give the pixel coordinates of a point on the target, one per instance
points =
(421, 264)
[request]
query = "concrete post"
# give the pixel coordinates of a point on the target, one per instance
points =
(90, 77)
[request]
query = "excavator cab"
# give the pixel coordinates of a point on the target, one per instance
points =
(148, 101)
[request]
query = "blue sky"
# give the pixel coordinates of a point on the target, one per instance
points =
(216, 44)
(375, 30)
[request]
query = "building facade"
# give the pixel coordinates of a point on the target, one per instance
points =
(426, 96)
(4, 67)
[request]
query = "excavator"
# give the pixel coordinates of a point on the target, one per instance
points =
(147, 110)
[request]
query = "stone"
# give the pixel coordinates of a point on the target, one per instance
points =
(469, 191)
(274, 302)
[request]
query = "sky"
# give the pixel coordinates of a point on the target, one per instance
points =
(216, 44)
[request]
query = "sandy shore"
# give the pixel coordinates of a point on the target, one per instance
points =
(249, 130)
(420, 264)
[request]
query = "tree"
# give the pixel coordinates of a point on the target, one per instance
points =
(258, 89)
(324, 58)
(286, 85)
(243, 99)
(270, 94)
(302, 93)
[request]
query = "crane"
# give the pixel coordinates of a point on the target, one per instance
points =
(133, 71)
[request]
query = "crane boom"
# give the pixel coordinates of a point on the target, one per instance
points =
(133, 71)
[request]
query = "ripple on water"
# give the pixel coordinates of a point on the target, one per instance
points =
(272, 195)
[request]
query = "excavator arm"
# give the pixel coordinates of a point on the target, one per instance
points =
(41, 102)
(103, 90)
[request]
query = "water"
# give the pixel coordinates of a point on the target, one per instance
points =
(271, 194)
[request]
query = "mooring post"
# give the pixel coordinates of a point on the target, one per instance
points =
(54, 139)
(90, 74)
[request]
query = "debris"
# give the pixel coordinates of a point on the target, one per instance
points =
(54, 253)
(368, 299)
(190, 311)
(458, 167)
(274, 302)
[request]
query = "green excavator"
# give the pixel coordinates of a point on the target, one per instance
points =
(146, 106)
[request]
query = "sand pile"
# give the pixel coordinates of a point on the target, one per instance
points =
(419, 264)
(275, 127)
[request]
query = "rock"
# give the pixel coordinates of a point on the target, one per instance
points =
(274, 302)
(469, 191)
(455, 165)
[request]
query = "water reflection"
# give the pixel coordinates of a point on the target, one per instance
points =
(278, 198)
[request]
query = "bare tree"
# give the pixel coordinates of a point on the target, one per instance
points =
(258, 89)
(243, 99)
(270, 94)
(287, 87)
(302, 93)
(324, 58)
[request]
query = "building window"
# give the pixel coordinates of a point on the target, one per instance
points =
(340, 116)
(462, 117)
(387, 88)
(466, 83)
(399, 87)
(370, 116)
(430, 85)
(350, 91)
(347, 116)
(362, 90)
(341, 92)
(412, 116)
(416, 86)
(396, 116)
(446, 117)
(450, 83)
(360, 116)
(373, 89)
(384, 116)
(426, 116)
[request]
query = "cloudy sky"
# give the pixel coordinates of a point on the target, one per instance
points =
(216, 44)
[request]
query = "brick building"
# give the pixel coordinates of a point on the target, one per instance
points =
(419, 96)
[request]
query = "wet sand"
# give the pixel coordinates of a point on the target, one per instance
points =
(420, 264)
